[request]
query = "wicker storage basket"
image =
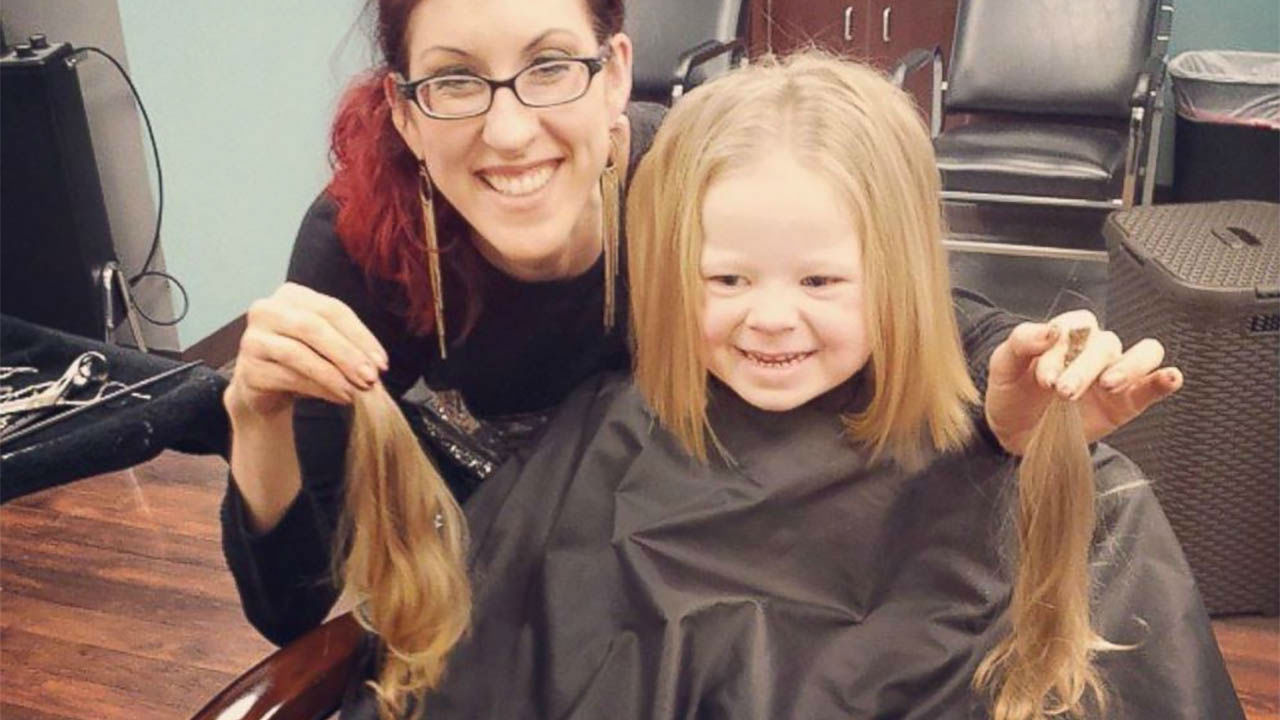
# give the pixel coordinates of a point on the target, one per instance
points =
(1204, 279)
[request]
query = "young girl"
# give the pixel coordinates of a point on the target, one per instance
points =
(787, 513)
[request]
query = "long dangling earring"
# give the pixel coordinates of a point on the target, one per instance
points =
(426, 194)
(610, 212)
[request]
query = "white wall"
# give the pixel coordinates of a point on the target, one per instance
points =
(241, 93)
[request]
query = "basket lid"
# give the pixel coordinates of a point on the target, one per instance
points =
(1233, 245)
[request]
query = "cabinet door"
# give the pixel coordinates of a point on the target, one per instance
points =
(781, 26)
(899, 26)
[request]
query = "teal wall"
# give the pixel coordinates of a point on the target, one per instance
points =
(1221, 25)
(240, 93)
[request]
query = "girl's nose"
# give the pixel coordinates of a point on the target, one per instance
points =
(772, 312)
(509, 125)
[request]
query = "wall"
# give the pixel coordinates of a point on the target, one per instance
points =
(241, 93)
(116, 131)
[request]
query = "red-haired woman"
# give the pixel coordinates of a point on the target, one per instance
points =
(468, 238)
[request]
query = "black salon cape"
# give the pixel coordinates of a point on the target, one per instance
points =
(615, 578)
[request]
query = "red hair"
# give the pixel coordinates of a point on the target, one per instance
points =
(375, 184)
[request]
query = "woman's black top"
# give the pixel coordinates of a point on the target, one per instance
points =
(532, 343)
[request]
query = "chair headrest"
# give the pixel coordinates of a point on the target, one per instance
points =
(661, 30)
(1065, 57)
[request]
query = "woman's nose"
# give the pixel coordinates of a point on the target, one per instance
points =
(509, 125)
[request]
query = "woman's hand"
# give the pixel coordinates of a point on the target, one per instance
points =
(300, 343)
(1112, 385)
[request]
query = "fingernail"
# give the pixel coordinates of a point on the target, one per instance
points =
(383, 362)
(1067, 388)
(369, 374)
(1110, 379)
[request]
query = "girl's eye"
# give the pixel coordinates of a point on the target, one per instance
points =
(817, 281)
(727, 280)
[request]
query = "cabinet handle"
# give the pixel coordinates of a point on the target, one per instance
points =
(848, 23)
(884, 24)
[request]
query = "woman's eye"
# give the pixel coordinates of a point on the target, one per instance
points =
(546, 71)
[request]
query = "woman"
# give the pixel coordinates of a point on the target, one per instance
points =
(512, 300)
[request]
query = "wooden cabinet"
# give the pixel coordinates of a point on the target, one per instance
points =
(875, 31)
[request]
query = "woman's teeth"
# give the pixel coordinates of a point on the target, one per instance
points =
(523, 183)
(778, 360)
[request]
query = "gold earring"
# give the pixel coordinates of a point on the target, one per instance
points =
(426, 195)
(610, 211)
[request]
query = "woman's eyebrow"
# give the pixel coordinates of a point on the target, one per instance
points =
(529, 47)
(545, 34)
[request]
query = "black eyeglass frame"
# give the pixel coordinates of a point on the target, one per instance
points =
(408, 89)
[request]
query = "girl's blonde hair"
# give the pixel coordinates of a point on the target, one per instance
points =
(849, 124)
(404, 541)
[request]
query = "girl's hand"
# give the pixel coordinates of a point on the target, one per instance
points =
(1111, 385)
(300, 343)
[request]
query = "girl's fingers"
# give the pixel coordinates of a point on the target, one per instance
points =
(1101, 350)
(1136, 363)
(1145, 391)
(1050, 365)
(1013, 357)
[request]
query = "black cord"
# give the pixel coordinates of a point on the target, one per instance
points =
(146, 270)
(186, 301)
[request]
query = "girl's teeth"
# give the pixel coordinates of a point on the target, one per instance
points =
(522, 184)
(776, 360)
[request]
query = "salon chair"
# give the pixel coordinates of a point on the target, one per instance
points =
(679, 44)
(305, 680)
(1062, 103)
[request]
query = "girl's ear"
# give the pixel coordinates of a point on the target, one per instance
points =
(618, 70)
(400, 109)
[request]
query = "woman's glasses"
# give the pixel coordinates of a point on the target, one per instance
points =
(542, 84)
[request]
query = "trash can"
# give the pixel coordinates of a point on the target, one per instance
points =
(1227, 135)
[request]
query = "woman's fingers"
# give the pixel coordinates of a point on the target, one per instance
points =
(345, 320)
(308, 317)
(271, 363)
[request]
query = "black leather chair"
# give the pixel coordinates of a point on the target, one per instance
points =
(1066, 99)
(680, 43)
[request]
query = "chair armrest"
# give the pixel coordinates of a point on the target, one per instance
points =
(1141, 91)
(690, 59)
(913, 61)
(304, 680)
(1149, 82)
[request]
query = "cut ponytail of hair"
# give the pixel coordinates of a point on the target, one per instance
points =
(405, 539)
(1044, 666)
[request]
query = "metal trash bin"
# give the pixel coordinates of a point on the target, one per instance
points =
(1204, 279)
(1227, 134)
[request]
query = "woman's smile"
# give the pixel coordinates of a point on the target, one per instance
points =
(519, 181)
